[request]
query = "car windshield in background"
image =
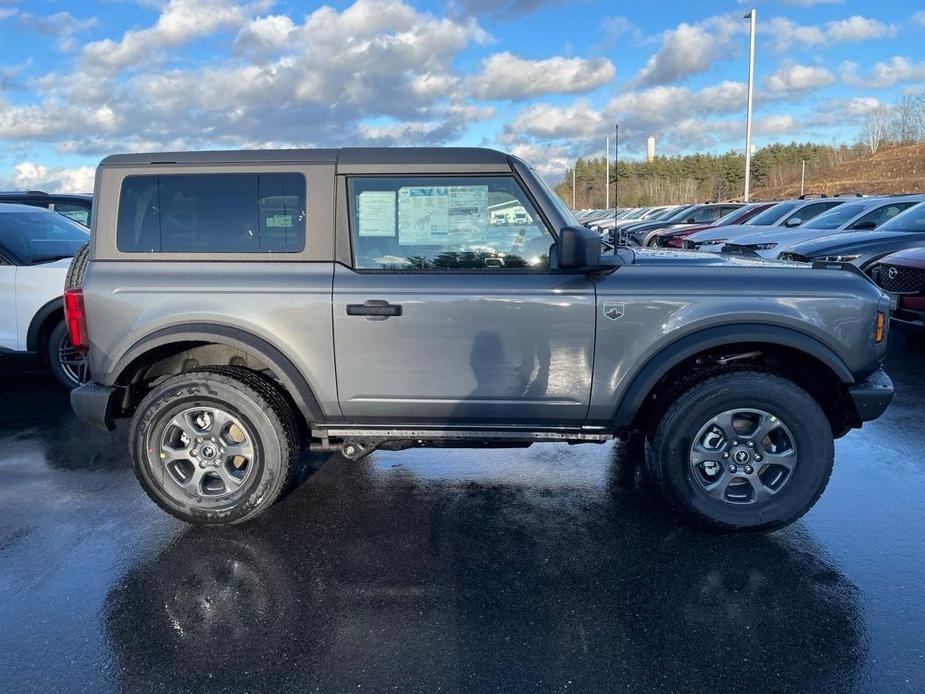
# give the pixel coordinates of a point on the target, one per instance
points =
(912, 219)
(679, 214)
(773, 215)
(40, 237)
(729, 216)
(837, 217)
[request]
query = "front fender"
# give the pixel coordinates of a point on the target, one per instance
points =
(642, 382)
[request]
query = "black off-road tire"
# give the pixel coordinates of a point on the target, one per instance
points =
(668, 455)
(248, 396)
(75, 273)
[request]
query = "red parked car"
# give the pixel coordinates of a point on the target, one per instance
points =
(903, 275)
(674, 238)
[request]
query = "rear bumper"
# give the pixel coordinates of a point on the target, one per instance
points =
(872, 396)
(93, 405)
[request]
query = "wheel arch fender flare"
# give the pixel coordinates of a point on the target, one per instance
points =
(283, 368)
(38, 321)
(672, 354)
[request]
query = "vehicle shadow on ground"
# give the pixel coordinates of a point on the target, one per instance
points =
(368, 576)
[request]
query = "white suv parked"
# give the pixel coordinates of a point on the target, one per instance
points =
(36, 247)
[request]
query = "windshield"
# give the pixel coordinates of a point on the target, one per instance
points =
(680, 212)
(912, 219)
(773, 214)
(728, 217)
(838, 216)
(40, 236)
(663, 214)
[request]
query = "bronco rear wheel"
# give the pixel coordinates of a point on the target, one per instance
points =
(743, 451)
(214, 447)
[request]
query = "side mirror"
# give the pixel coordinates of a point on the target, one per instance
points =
(690, 220)
(577, 248)
(793, 222)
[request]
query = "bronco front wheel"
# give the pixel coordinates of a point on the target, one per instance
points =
(213, 447)
(743, 451)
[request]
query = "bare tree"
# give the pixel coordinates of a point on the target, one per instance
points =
(875, 125)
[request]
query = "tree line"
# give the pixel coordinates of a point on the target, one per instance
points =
(696, 177)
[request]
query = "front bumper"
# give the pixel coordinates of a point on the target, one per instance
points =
(909, 317)
(872, 396)
(93, 404)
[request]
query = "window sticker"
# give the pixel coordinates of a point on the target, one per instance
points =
(278, 221)
(441, 215)
(376, 213)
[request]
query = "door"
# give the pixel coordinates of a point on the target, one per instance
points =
(450, 313)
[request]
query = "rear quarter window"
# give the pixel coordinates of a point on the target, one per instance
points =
(212, 213)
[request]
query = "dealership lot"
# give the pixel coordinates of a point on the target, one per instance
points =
(549, 568)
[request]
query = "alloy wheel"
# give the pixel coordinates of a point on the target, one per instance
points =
(743, 456)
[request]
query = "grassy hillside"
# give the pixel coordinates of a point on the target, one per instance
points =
(896, 169)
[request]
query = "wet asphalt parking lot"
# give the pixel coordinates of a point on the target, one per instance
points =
(545, 569)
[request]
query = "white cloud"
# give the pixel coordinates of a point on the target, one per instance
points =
(63, 25)
(7, 12)
(300, 85)
(266, 34)
(506, 76)
(502, 9)
(859, 28)
(884, 74)
(554, 122)
(30, 176)
(785, 33)
(792, 78)
(919, 18)
(691, 49)
(179, 22)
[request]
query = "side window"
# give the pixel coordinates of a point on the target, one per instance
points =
(704, 214)
(212, 213)
(873, 219)
(79, 213)
(445, 223)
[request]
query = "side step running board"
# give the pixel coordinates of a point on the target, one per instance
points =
(357, 443)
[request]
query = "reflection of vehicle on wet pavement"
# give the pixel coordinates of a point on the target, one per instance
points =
(435, 588)
(36, 246)
(233, 342)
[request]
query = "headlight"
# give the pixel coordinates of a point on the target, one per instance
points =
(836, 258)
(762, 246)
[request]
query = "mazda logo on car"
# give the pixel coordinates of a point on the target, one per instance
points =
(892, 273)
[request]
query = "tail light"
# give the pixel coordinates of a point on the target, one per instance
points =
(76, 318)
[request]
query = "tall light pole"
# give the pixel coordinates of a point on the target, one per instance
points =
(748, 113)
(607, 173)
(574, 170)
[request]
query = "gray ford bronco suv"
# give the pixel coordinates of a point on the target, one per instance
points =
(241, 307)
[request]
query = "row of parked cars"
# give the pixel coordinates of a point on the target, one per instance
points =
(883, 236)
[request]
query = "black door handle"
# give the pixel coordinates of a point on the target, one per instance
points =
(374, 309)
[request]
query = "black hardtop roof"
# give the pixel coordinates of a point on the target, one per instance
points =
(346, 156)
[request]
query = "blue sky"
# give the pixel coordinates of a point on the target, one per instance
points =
(544, 79)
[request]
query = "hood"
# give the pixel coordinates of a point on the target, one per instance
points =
(851, 241)
(781, 236)
(723, 232)
(911, 257)
(684, 229)
(665, 256)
